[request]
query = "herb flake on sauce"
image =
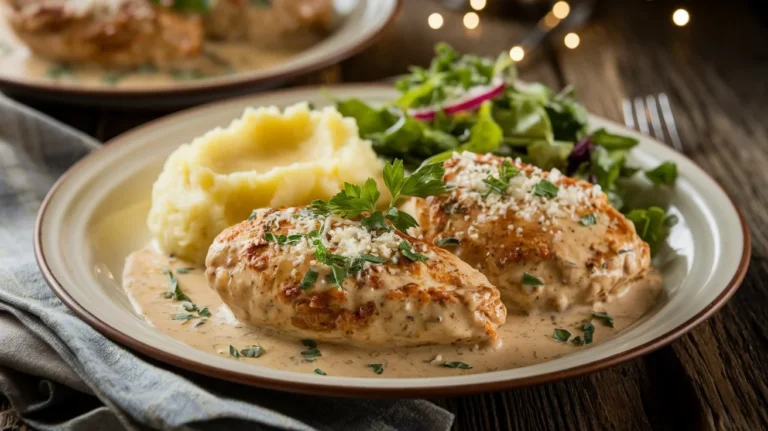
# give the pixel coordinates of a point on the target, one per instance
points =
(321, 372)
(377, 368)
(603, 317)
(253, 352)
(561, 335)
(233, 352)
(531, 280)
(457, 364)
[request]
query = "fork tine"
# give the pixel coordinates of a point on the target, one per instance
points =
(629, 119)
(669, 121)
(653, 114)
(642, 120)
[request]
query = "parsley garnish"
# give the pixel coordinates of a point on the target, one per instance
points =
(531, 280)
(604, 317)
(545, 189)
(377, 368)
(499, 185)
(282, 239)
(561, 335)
(175, 291)
(312, 351)
(588, 220)
(182, 316)
(233, 352)
(577, 341)
(253, 352)
(183, 270)
(321, 372)
(405, 249)
(309, 279)
(589, 330)
(338, 274)
(457, 364)
(442, 242)
(253, 215)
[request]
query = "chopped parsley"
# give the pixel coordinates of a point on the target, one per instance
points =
(442, 242)
(253, 215)
(253, 352)
(545, 189)
(561, 335)
(174, 292)
(184, 270)
(282, 239)
(309, 279)
(588, 220)
(589, 331)
(321, 372)
(377, 368)
(499, 185)
(457, 364)
(603, 317)
(577, 341)
(405, 249)
(233, 352)
(183, 316)
(312, 352)
(337, 275)
(531, 280)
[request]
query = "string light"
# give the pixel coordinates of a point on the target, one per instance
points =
(471, 20)
(681, 17)
(516, 53)
(550, 21)
(435, 21)
(477, 4)
(572, 40)
(561, 9)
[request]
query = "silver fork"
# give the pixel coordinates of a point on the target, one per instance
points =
(639, 112)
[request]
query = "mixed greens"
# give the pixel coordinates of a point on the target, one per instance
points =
(476, 104)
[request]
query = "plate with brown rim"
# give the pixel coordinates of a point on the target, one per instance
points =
(94, 216)
(221, 69)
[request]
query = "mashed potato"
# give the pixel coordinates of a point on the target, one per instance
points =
(264, 159)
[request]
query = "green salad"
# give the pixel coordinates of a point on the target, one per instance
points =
(470, 103)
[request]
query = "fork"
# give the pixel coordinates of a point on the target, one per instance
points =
(639, 112)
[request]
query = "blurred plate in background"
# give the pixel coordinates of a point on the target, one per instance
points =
(226, 68)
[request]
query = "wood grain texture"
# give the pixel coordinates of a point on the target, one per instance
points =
(716, 76)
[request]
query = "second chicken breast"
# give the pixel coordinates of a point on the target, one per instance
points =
(544, 240)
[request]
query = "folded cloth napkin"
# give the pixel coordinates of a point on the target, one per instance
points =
(59, 373)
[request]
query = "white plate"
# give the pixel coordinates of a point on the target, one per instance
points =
(359, 23)
(95, 216)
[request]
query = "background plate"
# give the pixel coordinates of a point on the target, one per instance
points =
(360, 23)
(95, 216)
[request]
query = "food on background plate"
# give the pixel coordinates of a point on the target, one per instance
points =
(408, 277)
(267, 158)
(164, 33)
(546, 241)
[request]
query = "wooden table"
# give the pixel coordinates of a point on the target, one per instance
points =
(715, 71)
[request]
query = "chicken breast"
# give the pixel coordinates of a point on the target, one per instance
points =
(109, 32)
(268, 270)
(544, 240)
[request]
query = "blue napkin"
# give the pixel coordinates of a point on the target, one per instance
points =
(59, 373)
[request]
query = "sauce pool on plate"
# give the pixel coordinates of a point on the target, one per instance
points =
(205, 323)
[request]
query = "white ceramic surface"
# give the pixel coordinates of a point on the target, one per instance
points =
(95, 216)
(359, 24)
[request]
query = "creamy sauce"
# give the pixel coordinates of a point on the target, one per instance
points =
(525, 340)
(218, 60)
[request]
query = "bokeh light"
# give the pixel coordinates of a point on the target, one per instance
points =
(681, 17)
(516, 53)
(572, 40)
(471, 20)
(477, 4)
(561, 9)
(435, 21)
